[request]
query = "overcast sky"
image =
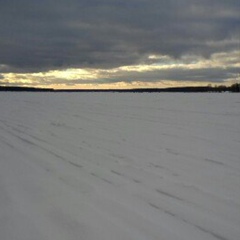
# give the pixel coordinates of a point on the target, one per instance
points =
(119, 43)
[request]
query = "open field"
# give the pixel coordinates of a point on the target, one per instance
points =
(119, 166)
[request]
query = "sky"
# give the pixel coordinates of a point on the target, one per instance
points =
(119, 43)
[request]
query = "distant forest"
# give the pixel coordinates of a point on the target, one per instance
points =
(233, 88)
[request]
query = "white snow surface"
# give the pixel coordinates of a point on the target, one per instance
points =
(119, 166)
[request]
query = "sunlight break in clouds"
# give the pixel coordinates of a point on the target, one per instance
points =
(153, 71)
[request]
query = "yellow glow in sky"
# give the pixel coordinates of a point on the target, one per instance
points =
(146, 74)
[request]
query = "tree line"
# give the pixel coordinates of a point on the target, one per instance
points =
(222, 88)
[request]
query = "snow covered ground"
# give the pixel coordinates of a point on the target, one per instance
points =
(119, 166)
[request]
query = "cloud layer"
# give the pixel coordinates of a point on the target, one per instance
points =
(46, 35)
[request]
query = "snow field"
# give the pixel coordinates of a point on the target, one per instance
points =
(119, 166)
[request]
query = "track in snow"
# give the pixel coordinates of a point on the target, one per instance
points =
(121, 166)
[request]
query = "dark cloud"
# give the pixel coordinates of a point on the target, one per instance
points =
(49, 34)
(200, 75)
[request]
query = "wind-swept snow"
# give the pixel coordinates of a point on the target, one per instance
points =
(119, 166)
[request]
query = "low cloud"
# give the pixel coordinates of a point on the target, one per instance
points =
(154, 70)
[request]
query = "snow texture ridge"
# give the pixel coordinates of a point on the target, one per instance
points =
(119, 166)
